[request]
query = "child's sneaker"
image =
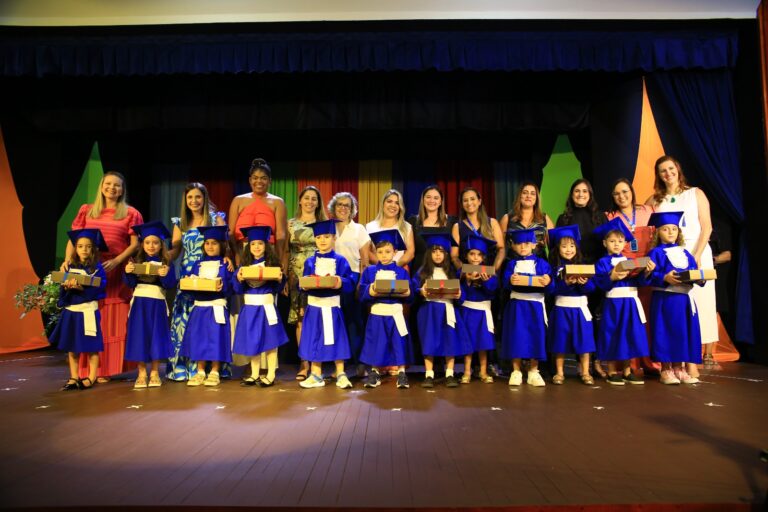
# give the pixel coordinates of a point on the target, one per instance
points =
(632, 379)
(313, 381)
(535, 379)
(493, 370)
(342, 381)
(668, 377)
(402, 381)
(684, 377)
(213, 379)
(197, 380)
(374, 379)
(429, 382)
(451, 382)
(615, 380)
(516, 378)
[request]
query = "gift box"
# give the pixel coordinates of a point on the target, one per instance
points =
(81, 279)
(634, 265)
(442, 286)
(145, 269)
(466, 268)
(579, 271)
(702, 274)
(391, 286)
(262, 273)
(318, 282)
(199, 284)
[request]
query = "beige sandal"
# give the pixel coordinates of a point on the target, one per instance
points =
(558, 379)
(486, 379)
(154, 380)
(141, 382)
(587, 379)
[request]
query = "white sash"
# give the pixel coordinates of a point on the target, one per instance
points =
(325, 304)
(218, 306)
(628, 292)
(533, 297)
(683, 289)
(263, 299)
(393, 310)
(88, 309)
(577, 301)
(450, 314)
(484, 305)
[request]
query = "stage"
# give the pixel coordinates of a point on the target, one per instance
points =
(476, 446)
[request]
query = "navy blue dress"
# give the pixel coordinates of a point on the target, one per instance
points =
(148, 336)
(69, 334)
(253, 333)
(206, 339)
(384, 345)
(314, 346)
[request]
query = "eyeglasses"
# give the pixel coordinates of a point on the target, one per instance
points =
(343, 205)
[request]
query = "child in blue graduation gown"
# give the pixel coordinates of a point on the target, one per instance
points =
(524, 335)
(323, 333)
(675, 328)
(441, 329)
(259, 326)
(477, 291)
(387, 342)
(570, 328)
(621, 333)
(208, 335)
(79, 328)
(148, 337)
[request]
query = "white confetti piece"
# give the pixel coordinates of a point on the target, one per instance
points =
(311, 408)
(598, 407)
(514, 389)
(134, 407)
(281, 390)
(597, 387)
(8, 389)
(712, 404)
(396, 409)
(42, 407)
(21, 380)
(221, 407)
(356, 391)
(212, 389)
(431, 391)
(495, 408)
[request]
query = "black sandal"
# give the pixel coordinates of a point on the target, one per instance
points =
(81, 383)
(70, 385)
(248, 381)
(266, 383)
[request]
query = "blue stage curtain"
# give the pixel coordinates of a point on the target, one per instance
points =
(86, 54)
(415, 175)
(701, 123)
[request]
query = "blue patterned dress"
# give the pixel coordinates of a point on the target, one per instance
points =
(180, 368)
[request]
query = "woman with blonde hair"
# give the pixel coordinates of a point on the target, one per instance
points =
(111, 214)
(392, 216)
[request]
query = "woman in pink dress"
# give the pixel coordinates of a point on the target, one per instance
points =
(111, 214)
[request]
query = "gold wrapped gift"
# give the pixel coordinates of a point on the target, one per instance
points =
(258, 273)
(199, 284)
(702, 274)
(81, 279)
(579, 271)
(391, 286)
(318, 282)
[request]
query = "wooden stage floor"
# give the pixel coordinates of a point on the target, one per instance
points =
(476, 446)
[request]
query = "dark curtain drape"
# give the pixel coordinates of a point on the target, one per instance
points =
(700, 123)
(78, 53)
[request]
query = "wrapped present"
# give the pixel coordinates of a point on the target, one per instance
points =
(391, 286)
(634, 265)
(579, 271)
(702, 274)
(466, 268)
(199, 284)
(81, 279)
(258, 273)
(318, 282)
(145, 269)
(442, 286)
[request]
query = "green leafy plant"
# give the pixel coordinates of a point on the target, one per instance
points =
(41, 296)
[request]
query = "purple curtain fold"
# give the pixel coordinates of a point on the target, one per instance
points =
(81, 54)
(700, 122)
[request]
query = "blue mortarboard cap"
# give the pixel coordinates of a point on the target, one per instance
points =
(520, 236)
(220, 233)
(257, 233)
(154, 227)
(480, 243)
(614, 225)
(659, 219)
(324, 227)
(555, 234)
(92, 234)
(444, 240)
(389, 235)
